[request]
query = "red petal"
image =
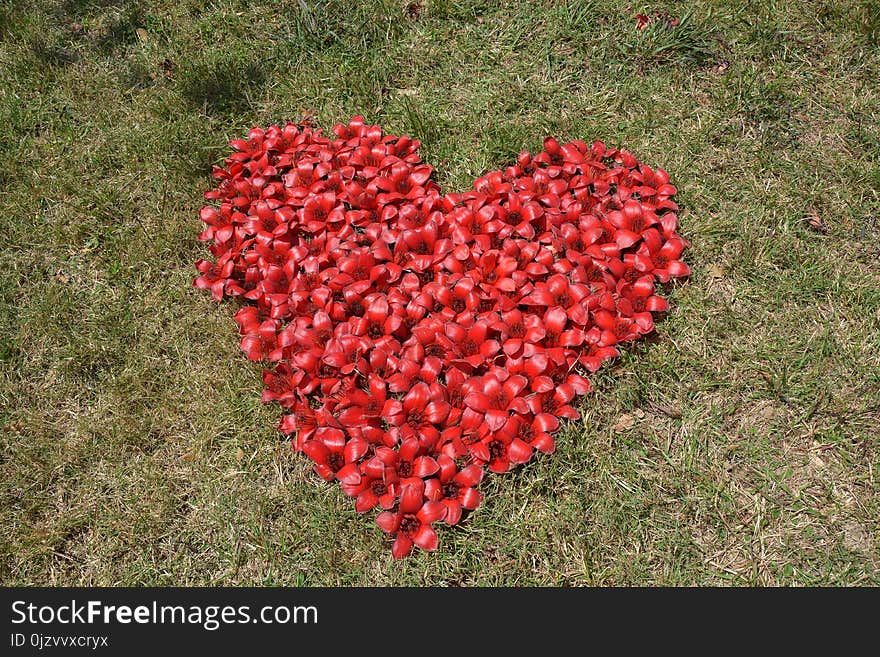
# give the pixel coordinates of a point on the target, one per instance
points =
(477, 401)
(519, 451)
(453, 512)
(495, 419)
(411, 498)
(545, 422)
(543, 442)
(426, 537)
(469, 476)
(366, 501)
(402, 546)
(424, 466)
(470, 499)
(431, 512)
(388, 521)
(349, 474)
(437, 411)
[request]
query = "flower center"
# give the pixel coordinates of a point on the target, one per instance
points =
(621, 328)
(469, 347)
(563, 299)
(415, 418)
(450, 490)
(409, 524)
(310, 281)
(335, 462)
(593, 273)
(497, 449)
(404, 469)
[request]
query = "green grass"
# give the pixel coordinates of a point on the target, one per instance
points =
(134, 446)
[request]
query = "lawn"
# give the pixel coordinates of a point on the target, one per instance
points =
(739, 446)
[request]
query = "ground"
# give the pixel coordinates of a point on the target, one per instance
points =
(738, 446)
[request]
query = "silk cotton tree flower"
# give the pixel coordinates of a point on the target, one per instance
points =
(416, 340)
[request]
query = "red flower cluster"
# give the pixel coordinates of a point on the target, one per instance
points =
(418, 339)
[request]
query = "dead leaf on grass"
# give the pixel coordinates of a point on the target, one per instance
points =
(816, 223)
(624, 422)
(168, 67)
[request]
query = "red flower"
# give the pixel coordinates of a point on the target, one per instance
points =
(334, 457)
(559, 292)
(418, 414)
(361, 407)
(499, 452)
(411, 522)
(379, 486)
(517, 329)
(408, 461)
(214, 276)
(531, 432)
(615, 328)
(319, 211)
(663, 262)
(496, 399)
(454, 488)
(471, 345)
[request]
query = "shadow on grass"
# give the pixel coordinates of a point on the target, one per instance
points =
(222, 87)
(53, 56)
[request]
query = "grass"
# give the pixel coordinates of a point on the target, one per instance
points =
(740, 446)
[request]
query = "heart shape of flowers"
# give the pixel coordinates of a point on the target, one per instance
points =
(417, 339)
